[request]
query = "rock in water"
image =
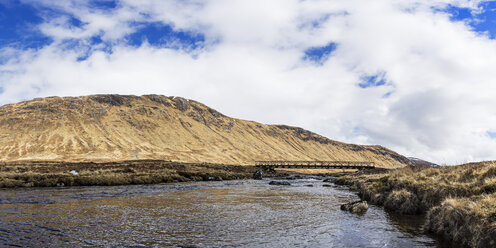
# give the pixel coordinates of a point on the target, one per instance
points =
(279, 183)
(356, 207)
(258, 175)
(329, 180)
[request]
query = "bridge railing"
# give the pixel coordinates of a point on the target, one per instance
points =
(361, 164)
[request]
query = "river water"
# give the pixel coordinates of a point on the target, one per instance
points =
(245, 213)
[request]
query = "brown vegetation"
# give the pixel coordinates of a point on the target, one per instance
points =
(460, 201)
(107, 128)
(469, 220)
(52, 174)
(358, 207)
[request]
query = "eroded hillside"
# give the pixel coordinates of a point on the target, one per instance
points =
(115, 128)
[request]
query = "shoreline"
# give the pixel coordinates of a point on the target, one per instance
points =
(459, 202)
(19, 174)
(58, 174)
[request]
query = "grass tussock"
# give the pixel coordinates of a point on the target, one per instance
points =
(460, 201)
(56, 174)
(468, 220)
(402, 201)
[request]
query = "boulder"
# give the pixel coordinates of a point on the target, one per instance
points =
(357, 207)
(326, 185)
(329, 180)
(258, 175)
(181, 103)
(279, 183)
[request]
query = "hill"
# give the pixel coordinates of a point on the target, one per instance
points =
(421, 162)
(103, 128)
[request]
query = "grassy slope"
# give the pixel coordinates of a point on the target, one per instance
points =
(460, 201)
(116, 128)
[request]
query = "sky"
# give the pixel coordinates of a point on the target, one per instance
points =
(416, 76)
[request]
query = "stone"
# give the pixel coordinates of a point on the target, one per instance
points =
(181, 103)
(329, 180)
(357, 207)
(29, 184)
(258, 175)
(279, 183)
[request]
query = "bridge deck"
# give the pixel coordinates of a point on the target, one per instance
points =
(315, 164)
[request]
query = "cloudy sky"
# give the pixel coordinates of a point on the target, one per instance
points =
(417, 76)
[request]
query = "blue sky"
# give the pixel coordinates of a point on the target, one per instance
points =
(415, 76)
(19, 29)
(19, 20)
(18, 26)
(482, 20)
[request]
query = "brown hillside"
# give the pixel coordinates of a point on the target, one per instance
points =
(115, 128)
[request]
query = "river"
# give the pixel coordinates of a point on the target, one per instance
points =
(245, 213)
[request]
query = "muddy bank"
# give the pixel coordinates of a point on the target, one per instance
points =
(53, 174)
(459, 201)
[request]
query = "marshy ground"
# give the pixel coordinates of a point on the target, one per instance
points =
(52, 174)
(459, 201)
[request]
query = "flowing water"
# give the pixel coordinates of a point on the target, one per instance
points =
(244, 213)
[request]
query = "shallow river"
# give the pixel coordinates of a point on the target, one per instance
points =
(201, 214)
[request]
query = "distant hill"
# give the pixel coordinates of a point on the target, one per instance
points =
(420, 162)
(114, 128)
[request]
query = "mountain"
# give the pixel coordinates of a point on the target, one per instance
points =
(421, 162)
(103, 128)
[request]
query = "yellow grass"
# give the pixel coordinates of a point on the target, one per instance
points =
(114, 128)
(460, 201)
(41, 174)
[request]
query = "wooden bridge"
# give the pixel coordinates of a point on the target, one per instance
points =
(315, 164)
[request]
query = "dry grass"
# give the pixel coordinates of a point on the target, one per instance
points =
(52, 174)
(468, 220)
(402, 201)
(460, 201)
(361, 207)
(107, 128)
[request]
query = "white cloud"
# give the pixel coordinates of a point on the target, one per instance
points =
(439, 107)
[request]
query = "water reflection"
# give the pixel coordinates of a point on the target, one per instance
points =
(202, 214)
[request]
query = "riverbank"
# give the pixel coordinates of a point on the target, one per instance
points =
(237, 213)
(53, 174)
(459, 201)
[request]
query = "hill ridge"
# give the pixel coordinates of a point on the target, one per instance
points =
(111, 127)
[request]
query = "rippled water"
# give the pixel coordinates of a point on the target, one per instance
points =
(201, 214)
